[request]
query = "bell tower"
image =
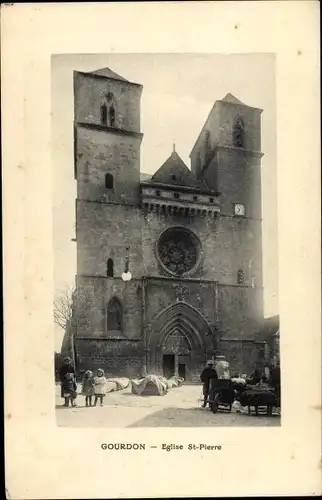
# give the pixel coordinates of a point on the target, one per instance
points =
(227, 157)
(227, 152)
(107, 137)
(107, 142)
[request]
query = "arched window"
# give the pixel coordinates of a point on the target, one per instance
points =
(239, 133)
(114, 315)
(240, 276)
(110, 268)
(111, 112)
(109, 181)
(104, 114)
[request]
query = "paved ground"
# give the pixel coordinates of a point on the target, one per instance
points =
(179, 408)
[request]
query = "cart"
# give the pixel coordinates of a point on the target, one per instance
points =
(260, 399)
(238, 387)
(221, 395)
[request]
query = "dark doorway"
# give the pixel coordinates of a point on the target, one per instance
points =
(104, 114)
(182, 370)
(168, 365)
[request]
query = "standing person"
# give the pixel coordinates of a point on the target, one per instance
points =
(70, 389)
(67, 367)
(256, 377)
(99, 386)
(88, 387)
(207, 375)
(275, 380)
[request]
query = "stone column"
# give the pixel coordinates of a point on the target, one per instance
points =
(158, 355)
(145, 366)
(176, 365)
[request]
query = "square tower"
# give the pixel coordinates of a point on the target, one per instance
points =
(227, 157)
(107, 137)
(107, 142)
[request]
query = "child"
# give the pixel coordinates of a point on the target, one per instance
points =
(88, 387)
(69, 389)
(99, 386)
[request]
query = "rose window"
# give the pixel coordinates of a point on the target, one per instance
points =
(178, 250)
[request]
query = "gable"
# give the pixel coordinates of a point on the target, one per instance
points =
(175, 172)
(108, 73)
(232, 99)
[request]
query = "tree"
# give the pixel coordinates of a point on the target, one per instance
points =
(71, 312)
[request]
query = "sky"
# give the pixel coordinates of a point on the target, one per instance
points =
(179, 91)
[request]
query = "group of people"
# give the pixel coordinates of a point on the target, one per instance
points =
(92, 386)
(256, 378)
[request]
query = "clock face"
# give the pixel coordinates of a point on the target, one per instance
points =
(239, 209)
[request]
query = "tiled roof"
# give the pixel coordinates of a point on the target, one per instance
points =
(145, 177)
(108, 73)
(175, 172)
(232, 99)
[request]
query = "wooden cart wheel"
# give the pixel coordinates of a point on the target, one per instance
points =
(214, 404)
(214, 407)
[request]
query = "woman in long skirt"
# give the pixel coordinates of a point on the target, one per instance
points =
(67, 367)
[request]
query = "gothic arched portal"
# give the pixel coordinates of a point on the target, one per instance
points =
(180, 342)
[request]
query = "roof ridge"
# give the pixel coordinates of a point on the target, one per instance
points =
(175, 172)
(109, 73)
(232, 99)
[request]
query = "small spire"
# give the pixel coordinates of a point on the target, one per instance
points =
(174, 148)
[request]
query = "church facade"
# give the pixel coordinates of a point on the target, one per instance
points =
(191, 239)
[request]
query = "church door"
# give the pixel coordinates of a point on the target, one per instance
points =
(176, 355)
(182, 370)
(168, 365)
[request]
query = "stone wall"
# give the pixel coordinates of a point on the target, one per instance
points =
(239, 181)
(119, 358)
(239, 316)
(243, 356)
(252, 122)
(89, 92)
(104, 231)
(206, 141)
(161, 294)
(101, 291)
(103, 151)
(228, 244)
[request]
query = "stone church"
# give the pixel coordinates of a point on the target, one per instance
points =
(190, 239)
